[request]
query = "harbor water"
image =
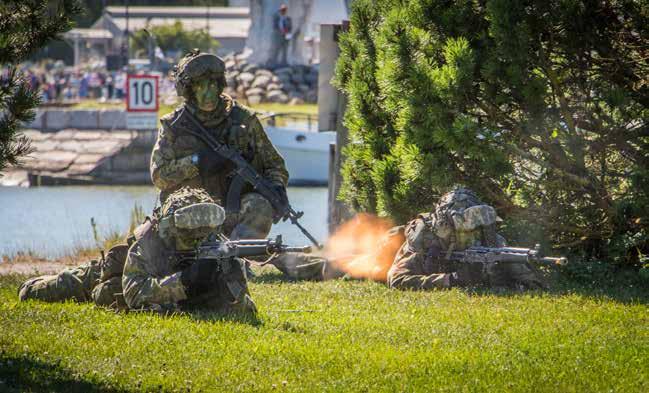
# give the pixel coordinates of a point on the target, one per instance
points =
(54, 221)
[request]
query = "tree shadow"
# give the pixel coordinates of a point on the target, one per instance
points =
(273, 277)
(25, 374)
(618, 288)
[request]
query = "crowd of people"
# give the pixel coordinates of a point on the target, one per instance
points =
(65, 84)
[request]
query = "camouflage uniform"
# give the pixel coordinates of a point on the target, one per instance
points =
(172, 164)
(460, 220)
(98, 281)
(153, 270)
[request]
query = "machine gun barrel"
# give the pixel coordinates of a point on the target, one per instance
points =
(242, 248)
(504, 255)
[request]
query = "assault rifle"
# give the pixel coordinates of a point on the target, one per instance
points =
(245, 173)
(224, 249)
(504, 255)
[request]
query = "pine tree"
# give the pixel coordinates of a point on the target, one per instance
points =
(25, 25)
(541, 106)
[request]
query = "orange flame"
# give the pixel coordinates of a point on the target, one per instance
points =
(362, 247)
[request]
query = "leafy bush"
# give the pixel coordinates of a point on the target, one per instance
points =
(540, 106)
(175, 38)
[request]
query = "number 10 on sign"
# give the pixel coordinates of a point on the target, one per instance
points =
(142, 93)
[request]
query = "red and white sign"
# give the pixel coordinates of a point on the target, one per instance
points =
(142, 93)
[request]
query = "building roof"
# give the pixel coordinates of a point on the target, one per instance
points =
(224, 22)
(89, 34)
(180, 12)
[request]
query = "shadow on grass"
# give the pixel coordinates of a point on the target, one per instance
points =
(25, 374)
(620, 288)
(274, 277)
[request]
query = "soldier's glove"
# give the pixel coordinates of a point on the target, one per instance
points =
(280, 189)
(468, 275)
(210, 161)
(199, 277)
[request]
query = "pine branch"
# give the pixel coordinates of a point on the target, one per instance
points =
(25, 26)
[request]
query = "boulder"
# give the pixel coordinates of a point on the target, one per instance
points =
(230, 63)
(311, 96)
(261, 81)
(274, 79)
(296, 101)
(303, 87)
(297, 78)
(283, 70)
(277, 96)
(246, 77)
(296, 94)
(284, 78)
(251, 68)
(254, 100)
(265, 72)
(311, 78)
(275, 86)
(255, 91)
(230, 91)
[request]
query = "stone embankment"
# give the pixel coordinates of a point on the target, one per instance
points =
(255, 84)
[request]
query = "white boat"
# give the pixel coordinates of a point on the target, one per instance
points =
(305, 150)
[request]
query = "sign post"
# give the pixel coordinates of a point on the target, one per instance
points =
(142, 102)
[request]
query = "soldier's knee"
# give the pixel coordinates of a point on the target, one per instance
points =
(255, 217)
(104, 294)
(255, 204)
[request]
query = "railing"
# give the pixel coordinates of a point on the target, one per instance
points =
(294, 120)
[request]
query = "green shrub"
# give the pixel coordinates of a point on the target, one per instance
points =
(540, 106)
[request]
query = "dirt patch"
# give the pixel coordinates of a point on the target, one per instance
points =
(35, 266)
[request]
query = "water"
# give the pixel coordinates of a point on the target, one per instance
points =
(53, 221)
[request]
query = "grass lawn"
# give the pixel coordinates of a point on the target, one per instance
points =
(336, 336)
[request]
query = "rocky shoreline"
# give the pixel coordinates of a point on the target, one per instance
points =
(293, 85)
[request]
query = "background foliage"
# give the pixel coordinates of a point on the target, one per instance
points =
(24, 27)
(174, 37)
(540, 106)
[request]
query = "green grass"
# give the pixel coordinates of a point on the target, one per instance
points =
(335, 336)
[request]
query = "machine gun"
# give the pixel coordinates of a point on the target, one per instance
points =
(488, 255)
(245, 173)
(225, 249)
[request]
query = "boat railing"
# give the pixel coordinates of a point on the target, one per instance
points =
(300, 121)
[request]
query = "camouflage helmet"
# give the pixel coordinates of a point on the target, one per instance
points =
(461, 220)
(190, 211)
(196, 65)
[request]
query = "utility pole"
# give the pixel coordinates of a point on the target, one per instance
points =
(128, 48)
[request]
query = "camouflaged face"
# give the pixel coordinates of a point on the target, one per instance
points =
(197, 65)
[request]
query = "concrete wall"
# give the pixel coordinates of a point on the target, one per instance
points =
(83, 119)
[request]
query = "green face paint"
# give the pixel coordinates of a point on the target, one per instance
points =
(207, 92)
